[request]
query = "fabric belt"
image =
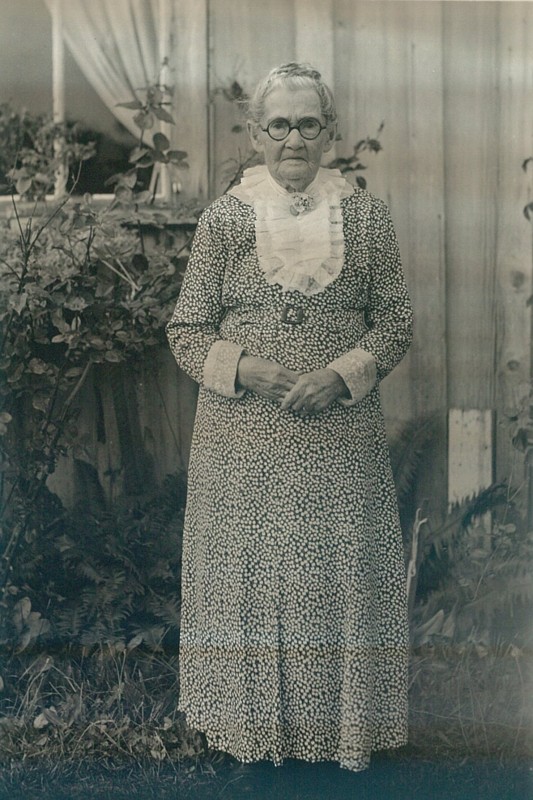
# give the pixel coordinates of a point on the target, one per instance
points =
(292, 314)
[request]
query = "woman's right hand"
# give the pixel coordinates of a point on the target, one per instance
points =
(264, 377)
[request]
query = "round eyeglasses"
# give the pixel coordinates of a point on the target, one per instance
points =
(308, 128)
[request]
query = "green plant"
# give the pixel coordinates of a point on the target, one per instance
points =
(79, 287)
(130, 189)
(92, 614)
(35, 149)
(475, 576)
(95, 674)
(475, 570)
(470, 631)
(469, 567)
(118, 703)
(98, 576)
(75, 290)
(90, 597)
(408, 445)
(353, 163)
(528, 209)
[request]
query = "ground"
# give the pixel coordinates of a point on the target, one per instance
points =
(395, 777)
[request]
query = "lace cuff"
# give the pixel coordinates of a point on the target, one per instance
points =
(357, 368)
(220, 368)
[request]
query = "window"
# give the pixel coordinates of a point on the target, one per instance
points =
(41, 76)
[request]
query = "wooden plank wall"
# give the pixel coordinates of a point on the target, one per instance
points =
(453, 83)
(247, 39)
(188, 74)
(514, 253)
(471, 140)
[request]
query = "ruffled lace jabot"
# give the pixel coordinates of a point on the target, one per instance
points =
(299, 236)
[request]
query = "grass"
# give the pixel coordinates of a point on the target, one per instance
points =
(466, 700)
(113, 703)
(472, 701)
(106, 779)
(105, 725)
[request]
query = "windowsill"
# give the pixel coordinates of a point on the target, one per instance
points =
(180, 213)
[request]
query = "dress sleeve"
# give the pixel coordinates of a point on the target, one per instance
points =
(193, 330)
(388, 313)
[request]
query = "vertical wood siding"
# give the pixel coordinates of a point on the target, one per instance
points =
(514, 254)
(248, 37)
(471, 113)
(188, 73)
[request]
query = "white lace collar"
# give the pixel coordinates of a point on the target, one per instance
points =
(299, 236)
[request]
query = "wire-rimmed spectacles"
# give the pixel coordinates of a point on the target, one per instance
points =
(280, 128)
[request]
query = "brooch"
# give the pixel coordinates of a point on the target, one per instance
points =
(300, 203)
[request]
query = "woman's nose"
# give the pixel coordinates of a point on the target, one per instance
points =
(294, 139)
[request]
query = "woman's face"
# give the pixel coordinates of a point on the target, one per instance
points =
(294, 161)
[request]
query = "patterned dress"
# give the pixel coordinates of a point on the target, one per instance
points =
(294, 637)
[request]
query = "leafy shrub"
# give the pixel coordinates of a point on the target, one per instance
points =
(471, 631)
(76, 290)
(475, 573)
(90, 648)
(90, 597)
(107, 577)
(34, 148)
(470, 600)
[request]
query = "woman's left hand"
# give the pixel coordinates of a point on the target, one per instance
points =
(315, 391)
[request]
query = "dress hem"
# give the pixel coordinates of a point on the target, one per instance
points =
(215, 741)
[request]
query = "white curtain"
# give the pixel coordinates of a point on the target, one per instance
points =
(116, 44)
(120, 45)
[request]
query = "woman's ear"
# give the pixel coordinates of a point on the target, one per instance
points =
(332, 135)
(253, 133)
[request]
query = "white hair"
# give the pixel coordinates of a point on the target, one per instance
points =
(293, 76)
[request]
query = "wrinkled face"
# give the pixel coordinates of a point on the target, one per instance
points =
(294, 161)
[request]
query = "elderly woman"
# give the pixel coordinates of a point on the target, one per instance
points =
(293, 308)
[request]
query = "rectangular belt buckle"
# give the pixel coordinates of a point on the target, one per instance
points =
(292, 315)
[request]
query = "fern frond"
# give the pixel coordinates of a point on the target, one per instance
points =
(483, 502)
(167, 609)
(69, 622)
(406, 450)
(90, 572)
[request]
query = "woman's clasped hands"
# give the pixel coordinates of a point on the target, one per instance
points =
(304, 393)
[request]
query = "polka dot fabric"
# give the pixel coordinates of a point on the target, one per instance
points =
(294, 637)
